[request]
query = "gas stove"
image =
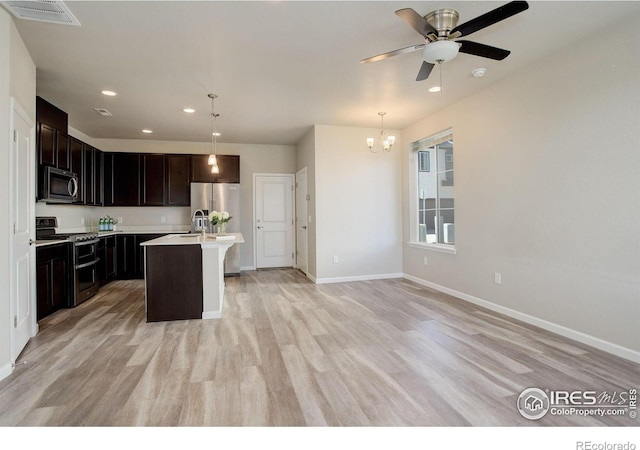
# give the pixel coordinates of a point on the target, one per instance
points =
(46, 230)
(72, 237)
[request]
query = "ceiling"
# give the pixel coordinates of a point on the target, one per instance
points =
(278, 67)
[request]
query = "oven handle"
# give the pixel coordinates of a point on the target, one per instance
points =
(92, 263)
(78, 244)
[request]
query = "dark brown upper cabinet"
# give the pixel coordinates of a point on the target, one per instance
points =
(76, 149)
(52, 141)
(47, 143)
(52, 124)
(63, 152)
(200, 170)
(152, 180)
(121, 179)
(92, 176)
(229, 166)
(177, 178)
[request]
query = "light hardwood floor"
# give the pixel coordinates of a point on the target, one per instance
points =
(288, 352)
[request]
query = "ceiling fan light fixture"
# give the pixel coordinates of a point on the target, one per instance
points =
(440, 51)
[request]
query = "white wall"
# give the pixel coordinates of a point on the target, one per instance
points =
(17, 79)
(253, 159)
(547, 193)
(306, 157)
(358, 205)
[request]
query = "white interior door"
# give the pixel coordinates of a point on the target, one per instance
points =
(301, 220)
(23, 309)
(273, 220)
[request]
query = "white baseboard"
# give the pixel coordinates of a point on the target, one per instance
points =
(578, 336)
(243, 268)
(5, 371)
(211, 315)
(381, 276)
(312, 278)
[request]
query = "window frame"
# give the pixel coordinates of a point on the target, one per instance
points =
(414, 168)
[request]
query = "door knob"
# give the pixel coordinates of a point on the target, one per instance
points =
(259, 227)
(304, 227)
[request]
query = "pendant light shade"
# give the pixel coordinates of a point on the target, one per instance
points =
(213, 161)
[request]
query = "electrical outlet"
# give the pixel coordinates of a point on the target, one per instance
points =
(81, 220)
(336, 260)
(163, 219)
(425, 261)
(497, 278)
(119, 219)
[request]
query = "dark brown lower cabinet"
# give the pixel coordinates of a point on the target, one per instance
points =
(130, 255)
(174, 282)
(54, 274)
(107, 262)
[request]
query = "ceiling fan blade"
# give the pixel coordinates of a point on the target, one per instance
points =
(487, 19)
(416, 21)
(425, 71)
(486, 51)
(400, 51)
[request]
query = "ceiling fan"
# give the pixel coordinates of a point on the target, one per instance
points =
(439, 29)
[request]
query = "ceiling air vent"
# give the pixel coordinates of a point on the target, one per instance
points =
(103, 112)
(52, 11)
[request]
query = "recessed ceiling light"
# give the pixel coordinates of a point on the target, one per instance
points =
(189, 110)
(435, 89)
(216, 134)
(109, 93)
(147, 131)
(479, 72)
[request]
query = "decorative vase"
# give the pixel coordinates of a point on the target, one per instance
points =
(222, 228)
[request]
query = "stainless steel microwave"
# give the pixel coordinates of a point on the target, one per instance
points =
(58, 186)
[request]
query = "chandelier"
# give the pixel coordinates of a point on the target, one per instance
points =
(386, 141)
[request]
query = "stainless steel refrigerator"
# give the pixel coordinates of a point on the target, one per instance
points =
(219, 197)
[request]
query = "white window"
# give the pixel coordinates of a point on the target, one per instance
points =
(434, 196)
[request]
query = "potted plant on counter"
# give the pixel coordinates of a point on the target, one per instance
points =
(219, 219)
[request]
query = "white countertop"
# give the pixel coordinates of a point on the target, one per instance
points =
(45, 242)
(209, 240)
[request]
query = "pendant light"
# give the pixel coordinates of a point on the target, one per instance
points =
(387, 141)
(212, 161)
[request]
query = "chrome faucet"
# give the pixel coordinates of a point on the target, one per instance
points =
(200, 227)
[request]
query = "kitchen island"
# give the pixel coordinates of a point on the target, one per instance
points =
(184, 275)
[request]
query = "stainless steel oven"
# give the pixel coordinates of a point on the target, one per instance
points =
(85, 262)
(84, 258)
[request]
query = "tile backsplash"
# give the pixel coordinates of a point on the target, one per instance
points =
(73, 218)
